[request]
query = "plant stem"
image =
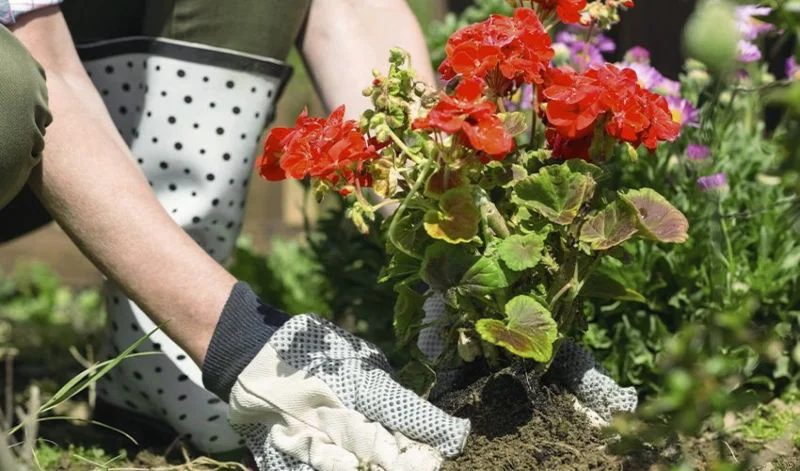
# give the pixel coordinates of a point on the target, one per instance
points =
(424, 173)
(402, 145)
(534, 119)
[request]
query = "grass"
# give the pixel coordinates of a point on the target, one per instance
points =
(777, 420)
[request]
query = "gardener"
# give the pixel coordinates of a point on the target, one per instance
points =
(188, 109)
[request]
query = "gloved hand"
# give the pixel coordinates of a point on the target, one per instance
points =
(316, 394)
(574, 366)
(316, 397)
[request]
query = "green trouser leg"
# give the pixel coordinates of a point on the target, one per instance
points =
(23, 115)
(262, 27)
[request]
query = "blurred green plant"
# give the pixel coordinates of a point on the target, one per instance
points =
(40, 315)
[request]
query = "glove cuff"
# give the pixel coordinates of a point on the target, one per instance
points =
(244, 327)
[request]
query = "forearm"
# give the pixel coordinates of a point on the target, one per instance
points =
(346, 39)
(91, 186)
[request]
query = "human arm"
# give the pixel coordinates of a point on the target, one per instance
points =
(345, 40)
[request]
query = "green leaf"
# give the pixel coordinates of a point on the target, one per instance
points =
(416, 376)
(555, 192)
(408, 313)
(409, 235)
(529, 332)
(444, 265)
(458, 218)
(442, 181)
(612, 226)
(603, 286)
(521, 252)
(658, 219)
(582, 166)
(483, 277)
(514, 123)
(399, 264)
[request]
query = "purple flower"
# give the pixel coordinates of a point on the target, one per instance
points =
(748, 52)
(637, 55)
(751, 27)
(522, 99)
(792, 70)
(717, 181)
(651, 79)
(697, 152)
(584, 54)
(683, 112)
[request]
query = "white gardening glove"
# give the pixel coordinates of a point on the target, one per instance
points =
(574, 366)
(317, 397)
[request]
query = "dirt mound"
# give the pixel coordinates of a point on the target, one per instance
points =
(520, 425)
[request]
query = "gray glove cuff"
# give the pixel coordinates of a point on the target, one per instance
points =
(244, 327)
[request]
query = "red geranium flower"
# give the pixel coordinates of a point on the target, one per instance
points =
(577, 102)
(568, 11)
(504, 51)
(573, 102)
(329, 149)
(564, 148)
(471, 117)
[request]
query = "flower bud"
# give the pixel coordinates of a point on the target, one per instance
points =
(381, 102)
(367, 91)
(468, 348)
(377, 120)
(420, 88)
(397, 56)
(382, 135)
(711, 35)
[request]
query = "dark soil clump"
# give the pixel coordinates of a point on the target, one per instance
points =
(518, 424)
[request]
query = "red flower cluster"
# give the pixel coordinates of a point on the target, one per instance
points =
(330, 149)
(502, 50)
(607, 95)
(471, 117)
(568, 11)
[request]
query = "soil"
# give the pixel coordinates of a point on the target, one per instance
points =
(520, 425)
(521, 422)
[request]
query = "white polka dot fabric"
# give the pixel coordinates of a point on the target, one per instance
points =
(194, 129)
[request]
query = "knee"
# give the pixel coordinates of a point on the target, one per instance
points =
(23, 115)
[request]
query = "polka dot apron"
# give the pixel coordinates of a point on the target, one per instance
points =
(192, 116)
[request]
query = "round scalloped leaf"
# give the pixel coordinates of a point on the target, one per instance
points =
(612, 226)
(410, 236)
(529, 332)
(483, 277)
(442, 181)
(555, 192)
(521, 252)
(658, 219)
(444, 265)
(457, 219)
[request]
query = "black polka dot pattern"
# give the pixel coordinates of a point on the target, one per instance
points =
(183, 122)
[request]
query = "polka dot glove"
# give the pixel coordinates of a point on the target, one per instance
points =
(574, 366)
(317, 397)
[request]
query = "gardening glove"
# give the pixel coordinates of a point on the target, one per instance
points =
(574, 366)
(312, 396)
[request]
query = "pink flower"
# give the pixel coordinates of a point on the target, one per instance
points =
(683, 112)
(637, 55)
(697, 152)
(715, 182)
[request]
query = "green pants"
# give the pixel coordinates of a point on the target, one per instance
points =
(266, 28)
(23, 104)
